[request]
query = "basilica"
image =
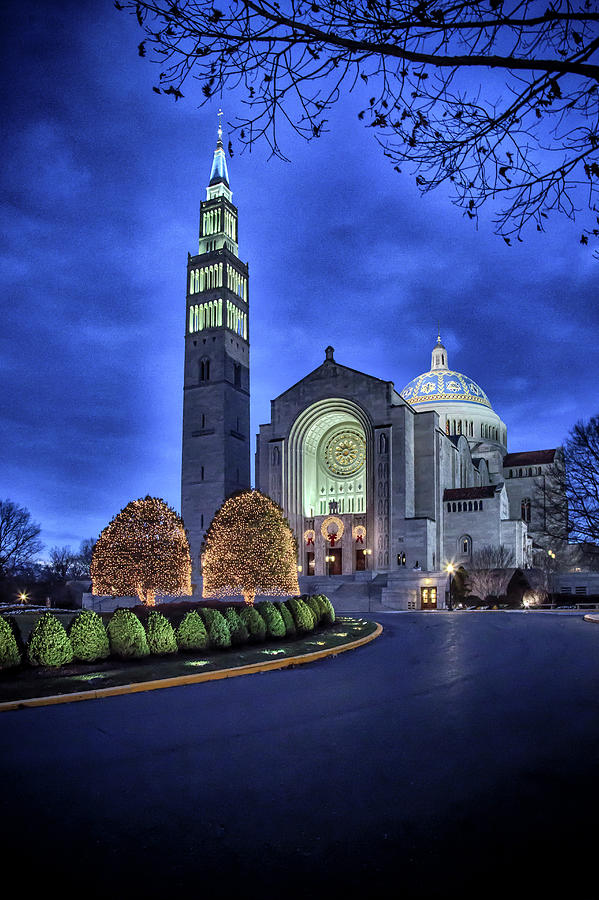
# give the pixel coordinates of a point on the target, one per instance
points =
(381, 487)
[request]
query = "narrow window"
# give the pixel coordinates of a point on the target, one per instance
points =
(449, 507)
(202, 473)
(459, 507)
(237, 378)
(470, 506)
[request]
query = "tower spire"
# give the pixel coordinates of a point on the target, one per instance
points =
(439, 354)
(219, 174)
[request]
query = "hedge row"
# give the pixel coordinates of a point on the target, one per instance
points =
(88, 640)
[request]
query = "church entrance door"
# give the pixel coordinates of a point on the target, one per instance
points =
(335, 566)
(309, 563)
(428, 598)
(360, 561)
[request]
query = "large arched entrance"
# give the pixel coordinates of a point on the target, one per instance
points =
(329, 481)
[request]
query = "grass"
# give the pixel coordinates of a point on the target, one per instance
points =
(26, 682)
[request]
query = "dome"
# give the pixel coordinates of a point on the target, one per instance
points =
(444, 386)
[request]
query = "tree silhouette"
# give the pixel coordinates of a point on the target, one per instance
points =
(498, 98)
(142, 552)
(572, 491)
(19, 537)
(250, 549)
(486, 573)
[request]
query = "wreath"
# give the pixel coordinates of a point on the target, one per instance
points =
(359, 533)
(332, 529)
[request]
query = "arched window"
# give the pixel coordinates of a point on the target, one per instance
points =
(454, 507)
(470, 506)
(480, 505)
(465, 545)
(237, 369)
(476, 506)
(446, 426)
(459, 427)
(530, 470)
(205, 370)
(459, 507)
(449, 507)
(520, 473)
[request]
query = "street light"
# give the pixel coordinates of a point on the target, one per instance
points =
(23, 597)
(450, 569)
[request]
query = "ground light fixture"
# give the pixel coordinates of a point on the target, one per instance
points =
(23, 597)
(450, 569)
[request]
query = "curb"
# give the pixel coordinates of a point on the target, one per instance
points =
(590, 618)
(179, 680)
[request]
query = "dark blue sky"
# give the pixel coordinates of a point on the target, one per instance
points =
(101, 185)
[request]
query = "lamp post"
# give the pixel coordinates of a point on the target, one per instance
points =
(551, 556)
(450, 569)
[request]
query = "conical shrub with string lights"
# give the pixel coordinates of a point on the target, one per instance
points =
(142, 552)
(250, 549)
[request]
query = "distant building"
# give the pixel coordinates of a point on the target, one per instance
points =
(378, 485)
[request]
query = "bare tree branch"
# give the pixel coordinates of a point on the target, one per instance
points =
(496, 98)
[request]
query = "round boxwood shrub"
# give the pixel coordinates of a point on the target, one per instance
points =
(287, 619)
(9, 649)
(219, 636)
(191, 632)
(315, 608)
(328, 611)
(302, 615)
(254, 623)
(88, 637)
(49, 644)
(160, 634)
(275, 627)
(239, 632)
(127, 635)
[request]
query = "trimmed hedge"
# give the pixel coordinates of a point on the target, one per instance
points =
(219, 635)
(160, 634)
(315, 609)
(88, 637)
(9, 649)
(328, 611)
(254, 623)
(49, 644)
(275, 626)
(191, 632)
(127, 635)
(239, 632)
(302, 615)
(287, 619)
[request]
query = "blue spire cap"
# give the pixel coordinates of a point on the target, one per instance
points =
(219, 173)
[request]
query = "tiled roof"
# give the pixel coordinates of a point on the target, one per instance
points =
(471, 493)
(528, 458)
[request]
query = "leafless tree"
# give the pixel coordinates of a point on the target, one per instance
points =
(486, 573)
(572, 491)
(82, 561)
(500, 98)
(61, 560)
(19, 537)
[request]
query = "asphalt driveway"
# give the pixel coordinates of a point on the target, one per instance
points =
(455, 756)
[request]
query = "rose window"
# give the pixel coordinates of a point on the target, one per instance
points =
(345, 453)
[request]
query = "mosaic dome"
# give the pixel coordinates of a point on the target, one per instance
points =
(442, 385)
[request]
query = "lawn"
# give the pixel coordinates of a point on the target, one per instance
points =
(26, 682)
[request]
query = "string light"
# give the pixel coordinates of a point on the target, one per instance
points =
(143, 551)
(250, 549)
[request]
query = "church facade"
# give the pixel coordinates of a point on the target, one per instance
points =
(377, 484)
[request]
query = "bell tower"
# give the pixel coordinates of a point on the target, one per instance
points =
(216, 383)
